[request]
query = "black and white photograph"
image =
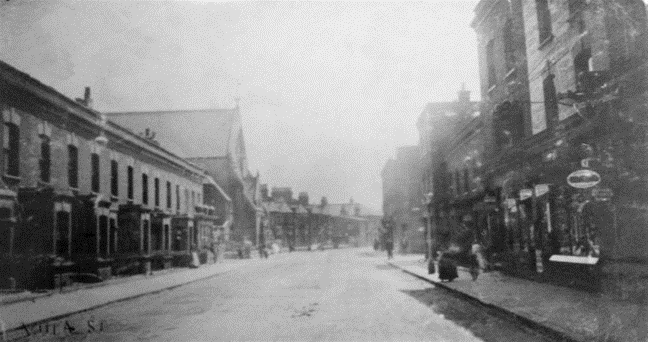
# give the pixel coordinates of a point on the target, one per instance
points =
(434, 170)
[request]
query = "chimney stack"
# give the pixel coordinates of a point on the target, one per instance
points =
(87, 99)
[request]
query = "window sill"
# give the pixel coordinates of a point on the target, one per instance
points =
(44, 184)
(546, 42)
(114, 198)
(10, 178)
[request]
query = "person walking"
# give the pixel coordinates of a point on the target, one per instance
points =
(478, 260)
(389, 246)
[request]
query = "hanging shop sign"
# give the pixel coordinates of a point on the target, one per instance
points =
(602, 194)
(541, 189)
(525, 193)
(583, 179)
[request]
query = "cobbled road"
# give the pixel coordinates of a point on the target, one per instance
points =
(333, 295)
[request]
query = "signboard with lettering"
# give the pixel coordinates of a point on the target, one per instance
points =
(602, 194)
(583, 179)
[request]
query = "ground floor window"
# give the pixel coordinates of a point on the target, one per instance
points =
(62, 233)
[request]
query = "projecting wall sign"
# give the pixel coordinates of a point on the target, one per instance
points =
(583, 179)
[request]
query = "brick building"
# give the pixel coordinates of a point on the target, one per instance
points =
(83, 194)
(563, 84)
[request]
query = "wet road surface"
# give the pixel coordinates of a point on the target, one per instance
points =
(334, 295)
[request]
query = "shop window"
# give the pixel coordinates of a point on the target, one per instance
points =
(96, 178)
(11, 145)
(168, 194)
(73, 166)
(550, 100)
(129, 174)
(156, 185)
(144, 188)
(114, 178)
(45, 161)
(544, 20)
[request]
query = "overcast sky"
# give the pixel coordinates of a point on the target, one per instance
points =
(328, 89)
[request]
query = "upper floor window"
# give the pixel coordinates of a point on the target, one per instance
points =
(168, 194)
(509, 45)
(544, 20)
(73, 166)
(156, 186)
(490, 63)
(178, 197)
(466, 180)
(11, 142)
(96, 172)
(550, 99)
(45, 161)
(144, 188)
(114, 178)
(45, 133)
(131, 180)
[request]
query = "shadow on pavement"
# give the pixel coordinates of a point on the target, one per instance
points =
(482, 322)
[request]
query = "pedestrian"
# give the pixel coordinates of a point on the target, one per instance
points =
(477, 260)
(389, 246)
(447, 267)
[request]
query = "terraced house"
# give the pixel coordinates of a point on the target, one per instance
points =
(81, 194)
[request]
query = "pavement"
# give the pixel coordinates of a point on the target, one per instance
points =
(565, 313)
(29, 308)
(333, 295)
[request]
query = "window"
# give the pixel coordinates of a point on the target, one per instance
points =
(490, 63)
(544, 20)
(186, 195)
(45, 160)
(582, 62)
(550, 100)
(73, 166)
(11, 144)
(129, 172)
(457, 182)
(156, 184)
(466, 180)
(193, 200)
(114, 178)
(509, 48)
(95, 173)
(178, 197)
(144, 188)
(168, 194)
